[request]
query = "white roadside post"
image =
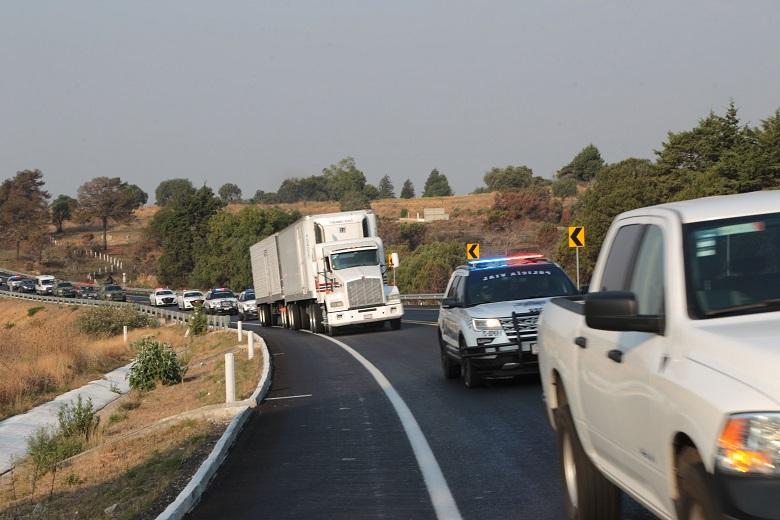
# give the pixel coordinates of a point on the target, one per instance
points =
(124, 333)
(230, 378)
(240, 330)
(250, 345)
(124, 278)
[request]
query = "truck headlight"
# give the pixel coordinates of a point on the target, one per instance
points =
(750, 443)
(486, 324)
(394, 298)
(336, 304)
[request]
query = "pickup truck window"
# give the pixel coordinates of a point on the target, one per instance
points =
(517, 283)
(732, 266)
(647, 280)
(622, 255)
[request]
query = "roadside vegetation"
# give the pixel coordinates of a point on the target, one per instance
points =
(135, 455)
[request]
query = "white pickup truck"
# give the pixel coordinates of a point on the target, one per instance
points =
(664, 380)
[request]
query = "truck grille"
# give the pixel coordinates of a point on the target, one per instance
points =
(365, 292)
(526, 327)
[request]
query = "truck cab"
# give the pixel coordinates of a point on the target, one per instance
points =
(44, 284)
(487, 320)
(662, 382)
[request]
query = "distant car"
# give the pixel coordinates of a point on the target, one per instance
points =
(247, 307)
(44, 284)
(112, 292)
(162, 297)
(27, 286)
(220, 301)
(87, 292)
(188, 299)
(13, 282)
(64, 290)
(3, 279)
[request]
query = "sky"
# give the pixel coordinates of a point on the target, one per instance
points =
(253, 92)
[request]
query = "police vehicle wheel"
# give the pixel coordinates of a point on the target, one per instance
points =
(470, 377)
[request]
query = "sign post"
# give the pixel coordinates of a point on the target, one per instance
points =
(577, 240)
(472, 251)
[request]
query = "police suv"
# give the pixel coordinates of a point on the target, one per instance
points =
(487, 320)
(220, 301)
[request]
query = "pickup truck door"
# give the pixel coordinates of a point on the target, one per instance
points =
(620, 384)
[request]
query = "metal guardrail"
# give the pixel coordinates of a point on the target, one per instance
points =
(422, 299)
(219, 322)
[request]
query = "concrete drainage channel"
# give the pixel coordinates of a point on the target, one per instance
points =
(191, 494)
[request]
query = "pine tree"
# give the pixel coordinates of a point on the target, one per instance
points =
(386, 188)
(407, 191)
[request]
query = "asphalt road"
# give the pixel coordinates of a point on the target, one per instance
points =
(339, 449)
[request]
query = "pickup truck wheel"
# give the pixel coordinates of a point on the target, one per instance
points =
(588, 494)
(697, 497)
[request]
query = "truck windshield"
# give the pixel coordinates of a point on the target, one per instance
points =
(517, 283)
(365, 257)
(733, 266)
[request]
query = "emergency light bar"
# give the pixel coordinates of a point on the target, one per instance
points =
(525, 258)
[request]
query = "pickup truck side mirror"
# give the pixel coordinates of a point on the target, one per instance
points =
(617, 310)
(449, 303)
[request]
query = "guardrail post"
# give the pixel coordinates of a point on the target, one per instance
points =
(124, 333)
(230, 378)
(239, 329)
(250, 345)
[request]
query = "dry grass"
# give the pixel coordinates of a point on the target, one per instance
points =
(133, 461)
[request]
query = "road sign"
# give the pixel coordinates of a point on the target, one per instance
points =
(472, 251)
(576, 236)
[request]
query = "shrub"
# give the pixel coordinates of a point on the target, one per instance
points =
(47, 449)
(32, 311)
(108, 321)
(198, 323)
(78, 419)
(404, 212)
(155, 362)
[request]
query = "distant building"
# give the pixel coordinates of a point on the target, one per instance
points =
(429, 215)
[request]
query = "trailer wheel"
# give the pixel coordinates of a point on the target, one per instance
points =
(315, 316)
(294, 316)
(304, 321)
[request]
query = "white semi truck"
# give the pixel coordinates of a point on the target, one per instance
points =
(324, 272)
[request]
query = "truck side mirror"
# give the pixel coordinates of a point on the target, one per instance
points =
(449, 303)
(617, 310)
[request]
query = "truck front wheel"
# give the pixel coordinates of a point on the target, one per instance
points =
(588, 494)
(697, 497)
(395, 324)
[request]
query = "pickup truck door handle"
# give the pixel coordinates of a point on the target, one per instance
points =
(615, 355)
(581, 342)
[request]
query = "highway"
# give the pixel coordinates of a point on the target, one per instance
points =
(328, 443)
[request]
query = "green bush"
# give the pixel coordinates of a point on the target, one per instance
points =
(32, 311)
(47, 449)
(78, 419)
(155, 362)
(108, 321)
(198, 323)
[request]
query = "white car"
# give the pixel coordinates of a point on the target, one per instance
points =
(487, 320)
(44, 284)
(247, 306)
(188, 298)
(162, 297)
(664, 381)
(220, 301)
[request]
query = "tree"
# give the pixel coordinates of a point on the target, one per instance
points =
(170, 189)
(407, 190)
(565, 187)
(135, 194)
(370, 192)
(437, 185)
(108, 199)
(230, 192)
(585, 164)
(354, 200)
(343, 177)
(224, 257)
(511, 178)
(62, 209)
(23, 208)
(386, 188)
(181, 228)
(262, 197)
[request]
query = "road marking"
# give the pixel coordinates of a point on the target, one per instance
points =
(443, 502)
(287, 397)
(416, 322)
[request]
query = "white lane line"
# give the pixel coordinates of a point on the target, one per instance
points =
(443, 502)
(416, 322)
(287, 397)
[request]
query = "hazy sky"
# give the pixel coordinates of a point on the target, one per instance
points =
(253, 92)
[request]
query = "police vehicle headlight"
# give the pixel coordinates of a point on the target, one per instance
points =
(750, 443)
(486, 324)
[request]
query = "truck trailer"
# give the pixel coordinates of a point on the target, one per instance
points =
(324, 272)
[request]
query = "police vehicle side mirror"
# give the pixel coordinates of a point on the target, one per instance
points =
(448, 303)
